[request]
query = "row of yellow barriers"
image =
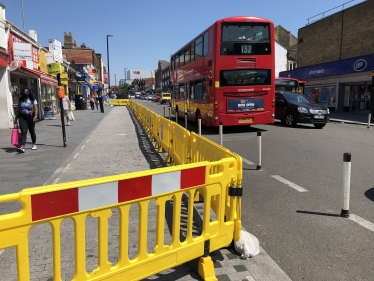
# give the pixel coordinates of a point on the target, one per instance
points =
(118, 102)
(198, 166)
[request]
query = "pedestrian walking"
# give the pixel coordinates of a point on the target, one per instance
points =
(66, 106)
(97, 103)
(92, 103)
(101, 98)
(26, 116)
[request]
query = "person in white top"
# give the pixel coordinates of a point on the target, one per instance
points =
(66, 106)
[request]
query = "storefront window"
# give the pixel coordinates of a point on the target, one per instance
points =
(359, 97)
(325, 96)
(49, 99)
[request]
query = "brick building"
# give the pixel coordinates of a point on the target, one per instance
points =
(335, 56)
(288, 41)
(162, 76)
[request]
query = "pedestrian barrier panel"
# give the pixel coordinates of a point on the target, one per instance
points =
(118, 102)
(185, 147)
(171, 186)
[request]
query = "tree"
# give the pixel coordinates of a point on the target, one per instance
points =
(124, 88)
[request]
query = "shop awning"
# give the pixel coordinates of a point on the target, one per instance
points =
(44, 78)
(3, 58)
(48, 80)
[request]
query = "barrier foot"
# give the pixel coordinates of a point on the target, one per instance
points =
(168, 159)
(206, 269)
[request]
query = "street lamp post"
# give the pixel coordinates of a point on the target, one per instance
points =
(107, 54)
(125, 75)
(115, 81)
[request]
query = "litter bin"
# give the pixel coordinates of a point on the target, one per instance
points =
(80, 103)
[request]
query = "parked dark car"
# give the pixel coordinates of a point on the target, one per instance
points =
(292, 108)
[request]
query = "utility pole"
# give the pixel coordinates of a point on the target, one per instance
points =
(107, 53)
(62, 113)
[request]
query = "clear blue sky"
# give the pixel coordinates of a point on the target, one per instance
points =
(148, 30)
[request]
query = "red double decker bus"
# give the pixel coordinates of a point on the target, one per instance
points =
(227, 74)
(287, 84)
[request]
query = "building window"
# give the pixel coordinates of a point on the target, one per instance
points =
(292, 65)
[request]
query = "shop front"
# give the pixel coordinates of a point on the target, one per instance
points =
(343, 86)
(81, 100)
(48, 96)
(21, 78)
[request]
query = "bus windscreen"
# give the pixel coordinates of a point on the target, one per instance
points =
(245, 32)
(245, 77)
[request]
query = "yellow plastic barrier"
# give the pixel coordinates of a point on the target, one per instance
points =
(184, 147)
(218, 181)
(120, 102)
(78, 200)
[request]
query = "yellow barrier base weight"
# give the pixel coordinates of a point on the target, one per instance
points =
(206, 269)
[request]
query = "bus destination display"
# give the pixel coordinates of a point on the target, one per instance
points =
(246, 49)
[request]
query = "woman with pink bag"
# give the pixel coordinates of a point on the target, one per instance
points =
(27, 114)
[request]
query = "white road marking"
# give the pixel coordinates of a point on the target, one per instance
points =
(83, 147)
(67, 166)
(87, 140)
(362, 222)
(247, 161)
(56, 180)
(120, 134)
(291, 184)
(76, 155)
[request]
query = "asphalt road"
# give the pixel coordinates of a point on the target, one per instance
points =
(302, 231)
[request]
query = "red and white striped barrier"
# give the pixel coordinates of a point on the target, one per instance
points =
(63, 202)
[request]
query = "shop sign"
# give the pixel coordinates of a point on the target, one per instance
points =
(81, 77)
(54, 68)
(349, 66)
(14, 65)
(22, 51)
(56, 48)
(94, 87)
(48, 109)
(43, 65)
(64, 79)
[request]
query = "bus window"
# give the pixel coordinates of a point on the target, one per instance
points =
(176, 61)
(181, 91)
(181, 59)
(192, 92)
(192, 51)
(198, 89)
(187, 55)
(206, 43)
(199, 48)
(246, 32)
(176, 91)
(245, 77)
(204, 89)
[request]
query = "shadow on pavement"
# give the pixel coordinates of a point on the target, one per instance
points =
(153, 158)
(370, 194)
(317, 213)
